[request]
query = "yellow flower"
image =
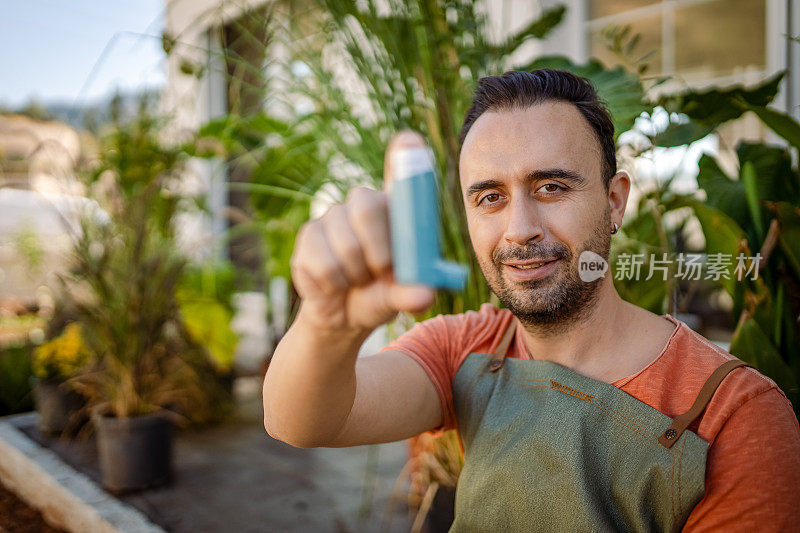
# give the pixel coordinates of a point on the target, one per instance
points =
(61, 357)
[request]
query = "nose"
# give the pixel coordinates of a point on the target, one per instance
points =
(524, 222)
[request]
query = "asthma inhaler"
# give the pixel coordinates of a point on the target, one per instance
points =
(414, 219)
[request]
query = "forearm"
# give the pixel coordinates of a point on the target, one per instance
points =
(310, 385)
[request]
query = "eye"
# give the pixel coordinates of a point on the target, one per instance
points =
(491, 197)
(551, 188)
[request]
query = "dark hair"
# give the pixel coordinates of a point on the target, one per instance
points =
(518, 89)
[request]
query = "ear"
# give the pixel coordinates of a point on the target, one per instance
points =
(618, 189)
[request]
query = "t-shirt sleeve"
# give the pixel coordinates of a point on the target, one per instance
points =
(753, 470)
(434, 344)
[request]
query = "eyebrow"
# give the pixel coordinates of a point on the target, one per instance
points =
(536, 175)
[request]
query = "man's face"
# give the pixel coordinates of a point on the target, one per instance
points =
(534, 194)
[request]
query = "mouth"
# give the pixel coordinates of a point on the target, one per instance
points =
(530, 270)
(529, 265)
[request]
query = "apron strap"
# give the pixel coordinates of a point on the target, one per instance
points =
(500, 352)
(681, 422)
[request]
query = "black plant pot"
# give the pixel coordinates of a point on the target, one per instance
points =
(59, 408)
(442, 512)
(135, 453)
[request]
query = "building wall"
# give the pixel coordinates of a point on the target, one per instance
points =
(191, 99)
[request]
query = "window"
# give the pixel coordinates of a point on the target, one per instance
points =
(694, 40)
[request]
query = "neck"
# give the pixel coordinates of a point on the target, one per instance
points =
(587, 336)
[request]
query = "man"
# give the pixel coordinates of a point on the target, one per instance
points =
(576, 410)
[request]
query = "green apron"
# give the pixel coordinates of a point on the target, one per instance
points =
(548, 449)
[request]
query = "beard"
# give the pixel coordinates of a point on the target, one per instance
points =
(558, 300)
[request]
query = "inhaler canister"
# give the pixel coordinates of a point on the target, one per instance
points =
(414, 219)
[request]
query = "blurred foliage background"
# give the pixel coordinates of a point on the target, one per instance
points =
(314, 90)
(358, 72)
(415, 64)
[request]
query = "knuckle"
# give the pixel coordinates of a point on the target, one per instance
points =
(360, 192)
(365, 214)
(327, 270)
(295, 259)
(333, 211)
(379, 258)
(305, 229)
(295, 262)
(351, 249)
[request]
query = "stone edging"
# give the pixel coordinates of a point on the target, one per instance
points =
(64, 496)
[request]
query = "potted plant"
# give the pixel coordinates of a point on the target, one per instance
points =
(144, 374)
(54, 363)
(434, 467)
(145, 371)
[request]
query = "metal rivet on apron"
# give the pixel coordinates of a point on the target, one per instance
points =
(495, 364)
(670, 433)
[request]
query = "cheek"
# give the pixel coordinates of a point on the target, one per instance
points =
(484, 234)
(568, 224)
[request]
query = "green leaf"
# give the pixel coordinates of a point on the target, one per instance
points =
(209, 324)
(640, 235)
(15, 376)
(723, 235)
(751, 194)
(681, 134)
(722, 192)
(777, 181)
(648, 294)
(752, 345)
(537, 29)
(781, 123)
(773, 179)
(282, 192)
(789, 218)
(643, 228)
(712, 107)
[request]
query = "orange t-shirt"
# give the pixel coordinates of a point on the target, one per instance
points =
(753, 463)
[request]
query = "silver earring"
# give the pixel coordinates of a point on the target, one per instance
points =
(614, 229)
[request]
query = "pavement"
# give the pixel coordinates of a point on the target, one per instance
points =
(235, 478)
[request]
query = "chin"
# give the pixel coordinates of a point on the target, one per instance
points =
(549, 302)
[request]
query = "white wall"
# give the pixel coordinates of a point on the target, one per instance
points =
(191, 101)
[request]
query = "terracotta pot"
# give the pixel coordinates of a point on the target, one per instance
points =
(135, 453)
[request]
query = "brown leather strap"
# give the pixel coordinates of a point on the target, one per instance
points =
(681, 422)
(500, 352)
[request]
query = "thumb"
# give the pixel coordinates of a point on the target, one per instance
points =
(411, 298)
(400, 140)
(377, 303)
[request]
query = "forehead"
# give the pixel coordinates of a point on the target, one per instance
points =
(514, 142)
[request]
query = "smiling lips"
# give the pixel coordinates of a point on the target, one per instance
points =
(528, 265)
(530, 270)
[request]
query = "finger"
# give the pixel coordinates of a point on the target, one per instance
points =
(411, 298)
(379, 302)
(318, 260)
(304, 284)
(368, 213)
(344, 243)
(401, 139)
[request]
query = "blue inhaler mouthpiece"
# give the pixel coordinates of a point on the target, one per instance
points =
(414, 219)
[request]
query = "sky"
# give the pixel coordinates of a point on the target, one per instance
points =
(78, 51)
